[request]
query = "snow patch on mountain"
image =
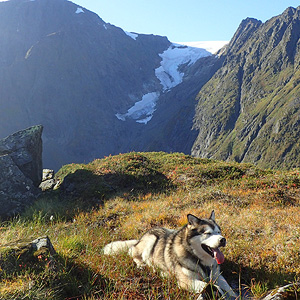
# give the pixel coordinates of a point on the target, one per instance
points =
(142, 111)
(79, 10)
(168, 75)
(132, 35)
(175, 56)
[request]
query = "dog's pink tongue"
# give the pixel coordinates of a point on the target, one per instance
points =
(219, 256)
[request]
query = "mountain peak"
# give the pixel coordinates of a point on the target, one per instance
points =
(289, 11)
(247, 27)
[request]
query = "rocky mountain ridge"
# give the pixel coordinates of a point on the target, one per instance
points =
(249, 109)
(99, 90)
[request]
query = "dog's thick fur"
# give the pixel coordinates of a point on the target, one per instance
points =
(191, 253)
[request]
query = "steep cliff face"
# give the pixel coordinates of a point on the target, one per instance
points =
(249, 110)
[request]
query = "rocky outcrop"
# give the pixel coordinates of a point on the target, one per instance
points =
(21, 170)
(48, 180)
(25, 149)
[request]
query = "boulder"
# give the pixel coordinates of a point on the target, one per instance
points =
(25, 149)
(16, 190)
(47, 185)
(21, 170)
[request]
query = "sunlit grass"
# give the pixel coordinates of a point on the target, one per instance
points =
(258, 211)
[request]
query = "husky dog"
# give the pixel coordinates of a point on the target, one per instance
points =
(191, 253)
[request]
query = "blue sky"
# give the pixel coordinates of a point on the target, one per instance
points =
(185, 21)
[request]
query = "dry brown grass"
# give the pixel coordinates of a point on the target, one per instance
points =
(259, 212)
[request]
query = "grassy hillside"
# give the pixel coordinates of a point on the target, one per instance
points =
(120, 197)
(249, 110)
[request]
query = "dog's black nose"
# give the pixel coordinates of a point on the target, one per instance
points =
(223, 242)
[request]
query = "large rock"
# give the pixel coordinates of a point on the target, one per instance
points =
(21, 170)
(25, 149)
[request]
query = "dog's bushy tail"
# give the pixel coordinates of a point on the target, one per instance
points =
(118, 246)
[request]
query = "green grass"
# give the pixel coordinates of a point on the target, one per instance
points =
(120, 197)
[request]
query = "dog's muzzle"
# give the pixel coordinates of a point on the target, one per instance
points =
(216, 252)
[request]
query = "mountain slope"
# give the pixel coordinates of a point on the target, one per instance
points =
(171, 126)
(68, 72)
(98, 90)
(249, 110)
(64, 67)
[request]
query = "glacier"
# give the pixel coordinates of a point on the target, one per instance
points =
(175, 56)
(142, 111)
(169, 76)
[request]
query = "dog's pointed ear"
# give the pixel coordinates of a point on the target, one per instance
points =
(193, 220)
(212, 216)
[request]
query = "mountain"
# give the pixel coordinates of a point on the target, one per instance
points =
(249, 110)
(93, 86)
(99, 90)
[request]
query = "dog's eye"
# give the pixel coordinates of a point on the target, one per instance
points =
(195, 232)
(208, 233)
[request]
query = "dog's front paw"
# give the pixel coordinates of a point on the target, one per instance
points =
(200, 297)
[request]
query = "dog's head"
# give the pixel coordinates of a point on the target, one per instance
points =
(205, 239)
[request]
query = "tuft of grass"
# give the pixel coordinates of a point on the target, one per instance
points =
(258, 289)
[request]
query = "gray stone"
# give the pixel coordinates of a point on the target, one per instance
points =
(47, 174)
(48, 180)
(21, 170)
(16, 190)
(43, 242)
(25, 149)
(47, 185)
